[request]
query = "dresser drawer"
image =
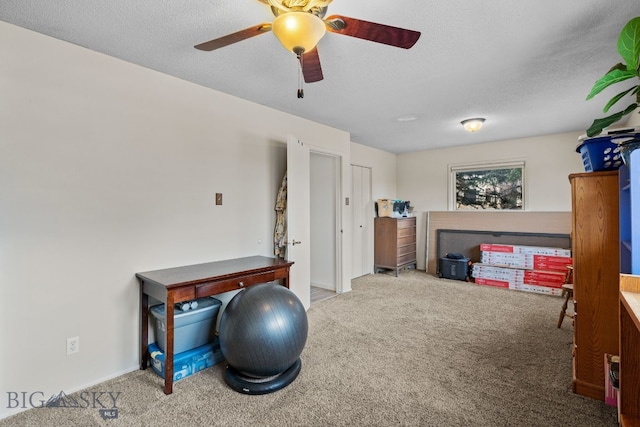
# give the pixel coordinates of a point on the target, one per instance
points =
(406, 222)
(407, 258)
(208, 289)
(407, 240)
(404, 232)
(406, 249)
(184, 294)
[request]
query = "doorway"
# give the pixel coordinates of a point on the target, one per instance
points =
(314, 191)
(324, 174)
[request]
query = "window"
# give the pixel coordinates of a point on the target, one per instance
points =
(487, 186)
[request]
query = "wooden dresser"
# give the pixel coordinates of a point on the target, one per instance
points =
(394, 243)
(595, 251)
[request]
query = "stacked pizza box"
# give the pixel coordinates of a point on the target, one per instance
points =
(525, 268)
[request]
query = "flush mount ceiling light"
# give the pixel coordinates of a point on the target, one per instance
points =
(299, 32)
(407, 118)
(472, 125)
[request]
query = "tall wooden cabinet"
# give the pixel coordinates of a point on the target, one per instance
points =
(596, 261)
(394, 243)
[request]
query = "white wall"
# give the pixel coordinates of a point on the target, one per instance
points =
(423, 176)
(108, 169)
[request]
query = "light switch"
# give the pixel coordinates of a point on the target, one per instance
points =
(346, 201)
(218, 198)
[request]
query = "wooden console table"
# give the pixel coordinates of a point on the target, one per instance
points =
(173, 285)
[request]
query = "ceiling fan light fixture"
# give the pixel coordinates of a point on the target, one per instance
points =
(473, 125)
(298, 32)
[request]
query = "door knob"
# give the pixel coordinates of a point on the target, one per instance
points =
(296, 242)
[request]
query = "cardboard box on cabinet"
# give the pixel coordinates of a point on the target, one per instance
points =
(385, 208)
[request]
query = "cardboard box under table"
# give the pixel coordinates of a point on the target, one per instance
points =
(192, 328)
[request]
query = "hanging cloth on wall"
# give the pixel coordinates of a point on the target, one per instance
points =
(280, 231)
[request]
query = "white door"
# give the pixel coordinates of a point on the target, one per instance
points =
(362, 222)
(298, 219)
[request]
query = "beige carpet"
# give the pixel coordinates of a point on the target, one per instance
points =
(406, 351)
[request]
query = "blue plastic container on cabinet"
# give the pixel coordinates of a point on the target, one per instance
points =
(602, 152)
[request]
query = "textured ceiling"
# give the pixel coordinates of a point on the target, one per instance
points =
(526, 66)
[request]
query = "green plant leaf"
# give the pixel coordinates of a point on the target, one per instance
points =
(629, 44)
(618, 66)
(599, 124)
(617, 98)
(614, 76)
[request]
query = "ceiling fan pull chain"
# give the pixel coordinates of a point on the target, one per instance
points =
(301, 62)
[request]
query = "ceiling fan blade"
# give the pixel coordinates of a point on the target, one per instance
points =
(380, 33)
(311, 69)
(234, 37)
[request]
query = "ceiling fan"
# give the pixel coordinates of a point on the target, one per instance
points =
(300, 24)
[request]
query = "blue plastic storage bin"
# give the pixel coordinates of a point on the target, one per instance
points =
(188, 362)
(191, 328)
(602, 153)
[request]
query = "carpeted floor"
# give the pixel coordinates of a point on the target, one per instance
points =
(408, 351)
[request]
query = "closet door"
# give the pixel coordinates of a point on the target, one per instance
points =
(362, 222)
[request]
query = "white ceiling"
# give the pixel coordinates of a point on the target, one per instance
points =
(526, 66)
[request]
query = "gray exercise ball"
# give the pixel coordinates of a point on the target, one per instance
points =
(263, 330)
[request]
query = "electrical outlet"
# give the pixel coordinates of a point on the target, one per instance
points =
(73, 345)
